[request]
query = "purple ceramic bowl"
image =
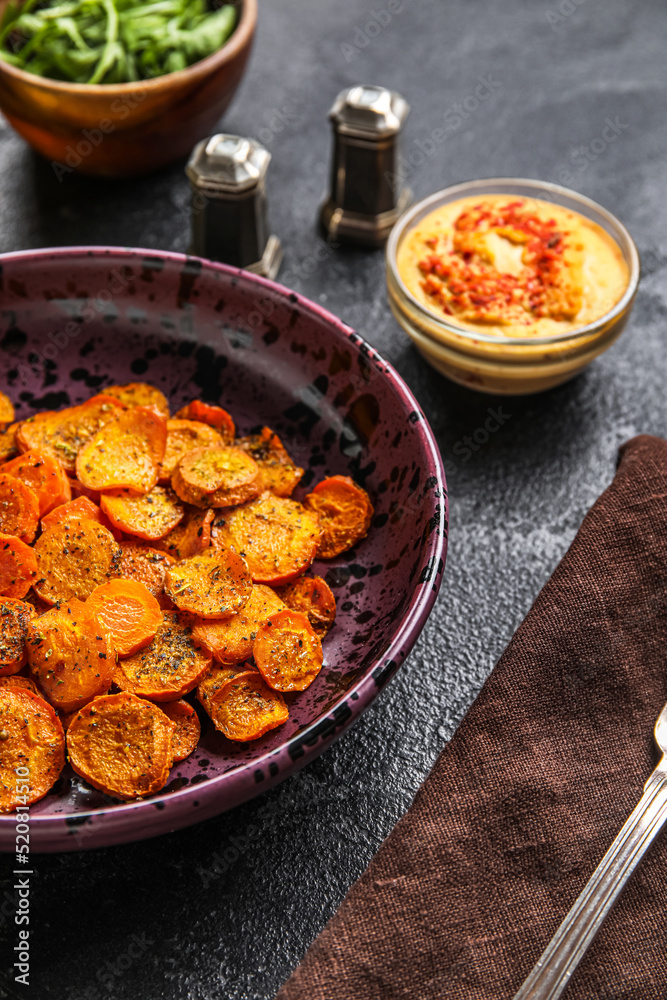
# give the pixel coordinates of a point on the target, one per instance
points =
(74, 320)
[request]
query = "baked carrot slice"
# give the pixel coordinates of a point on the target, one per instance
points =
(230, 640)
(44, 475)
(214, 584)
(126, 452)
(277, 471)
(64, 432)
(214, 679)
(345, 513)
(214, 416)
(188, 728)
(288, 652)
(33, 748)
(8, 445)
(313, 597)
(184, 436)
(245, 708)
(170, 667)
(74, 557)
(140, 394)
(151, 516)
(81, 508)
(216, 477)
(6, 409)
(19, 681)
(19, 508)
(128, 612)
(18, 567)
(145, 565)
(191, 536)
(70, 655)
(14, 618)
(121, 745)
(277, 537)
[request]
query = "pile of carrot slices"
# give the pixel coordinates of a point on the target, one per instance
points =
(151, 564)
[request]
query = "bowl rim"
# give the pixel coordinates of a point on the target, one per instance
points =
(627, 246)
(134, 821)
(239, 38)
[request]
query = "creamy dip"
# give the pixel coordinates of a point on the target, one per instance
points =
(512, 266)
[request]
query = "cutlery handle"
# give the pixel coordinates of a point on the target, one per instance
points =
(567, 947)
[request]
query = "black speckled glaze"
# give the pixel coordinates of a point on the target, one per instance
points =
(75, 320)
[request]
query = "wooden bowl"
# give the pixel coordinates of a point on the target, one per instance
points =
(127, 128)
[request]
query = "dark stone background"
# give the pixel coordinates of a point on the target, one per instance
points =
(515, 503)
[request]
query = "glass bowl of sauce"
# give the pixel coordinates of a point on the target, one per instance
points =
(511, 286)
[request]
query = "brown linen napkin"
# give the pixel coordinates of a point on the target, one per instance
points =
(468, 889)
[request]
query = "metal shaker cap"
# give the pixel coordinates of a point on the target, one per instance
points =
(367, 195)
(369, 111)
(227, 174)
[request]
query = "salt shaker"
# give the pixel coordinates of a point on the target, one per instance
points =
(229, 215)
(365, 199)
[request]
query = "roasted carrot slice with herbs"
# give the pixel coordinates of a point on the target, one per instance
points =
(140, 394)
(81, 508)
(70, 655)
(14, 618)
(151, 516)
(126, 452)
(32, 748)
(18, 567)
(191, 536)
(64, 432)
(122, 745)
(214, 679)
(184, 436)
(345, 513)
(216, 477)
(278, 473)
(8, 445)
(277, 537)
(214, 584)
(6, 409)
(288, 652)
(44, 475)
(188, 728)
(313, 597)
(245, 708)
(19, 508)
(230, 639)
(214, 416)
(19, 681)
(74, 557)
(128, 612)
(170, 667)
(145, 565)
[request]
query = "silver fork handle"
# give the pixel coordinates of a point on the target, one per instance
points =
(567, 947)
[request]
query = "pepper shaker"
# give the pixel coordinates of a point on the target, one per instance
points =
(229, 213)
(365, 200)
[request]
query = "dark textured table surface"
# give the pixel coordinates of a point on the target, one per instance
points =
(155, 919)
